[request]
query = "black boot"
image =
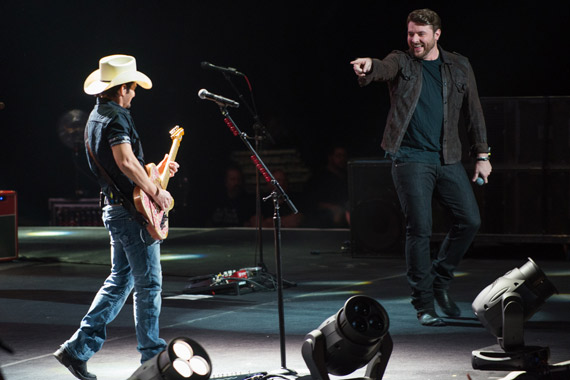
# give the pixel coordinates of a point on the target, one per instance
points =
(77, 367)
(446, 303)
(429, 317)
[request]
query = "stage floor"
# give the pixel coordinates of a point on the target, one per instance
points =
(45, 293)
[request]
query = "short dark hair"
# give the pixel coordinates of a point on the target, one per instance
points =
(425, 17)
(112, 92)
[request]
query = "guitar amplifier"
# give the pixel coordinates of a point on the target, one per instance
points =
(8, 225)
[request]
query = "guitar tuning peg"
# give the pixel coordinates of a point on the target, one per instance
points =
(176, 131)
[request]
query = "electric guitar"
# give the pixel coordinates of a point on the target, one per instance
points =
(156, 217)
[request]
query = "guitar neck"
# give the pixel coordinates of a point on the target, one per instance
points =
(165, 175)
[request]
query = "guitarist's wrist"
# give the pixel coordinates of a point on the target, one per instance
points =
(157, 191)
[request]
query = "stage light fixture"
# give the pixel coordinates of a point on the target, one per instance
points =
(357, 335)
(182, 359)
(503, 307)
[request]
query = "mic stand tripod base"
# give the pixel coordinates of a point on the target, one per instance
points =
(269, 277)
(288, 284)
(283, 372)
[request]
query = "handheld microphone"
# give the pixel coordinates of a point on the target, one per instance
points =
(204, 94)
(229, 70)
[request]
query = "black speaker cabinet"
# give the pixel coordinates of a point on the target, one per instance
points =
(8, 225)
(376, 220)
(528, 130)
(529, 190)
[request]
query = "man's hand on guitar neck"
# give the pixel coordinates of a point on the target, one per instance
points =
(173, 169)
(172, 166)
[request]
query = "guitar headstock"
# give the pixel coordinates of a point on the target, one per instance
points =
(176, 133)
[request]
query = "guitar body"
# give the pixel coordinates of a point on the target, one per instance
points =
(156, 217)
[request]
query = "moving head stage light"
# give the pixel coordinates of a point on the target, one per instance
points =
(502, 308)
(182, 359)
(355, 336)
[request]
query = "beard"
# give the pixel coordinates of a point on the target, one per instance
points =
(427, 48)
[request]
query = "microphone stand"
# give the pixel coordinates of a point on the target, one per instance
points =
(278, 195)
(260, 133)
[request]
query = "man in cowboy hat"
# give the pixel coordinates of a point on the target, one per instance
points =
(115, 155)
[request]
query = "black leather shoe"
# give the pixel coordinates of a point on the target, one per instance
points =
(430, 318)
(446, 303)
(77, 367)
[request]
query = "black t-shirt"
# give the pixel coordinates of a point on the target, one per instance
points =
(108, 125)
(422, 141)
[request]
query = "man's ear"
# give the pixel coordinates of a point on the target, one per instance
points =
(437, 34)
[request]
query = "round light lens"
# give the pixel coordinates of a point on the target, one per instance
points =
(199, 365)
(182, 367)
(182, 350)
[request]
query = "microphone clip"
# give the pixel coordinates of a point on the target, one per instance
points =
(225, 70)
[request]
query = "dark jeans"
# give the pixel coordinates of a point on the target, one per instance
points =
(416, 185)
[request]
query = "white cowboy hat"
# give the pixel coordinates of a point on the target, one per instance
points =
(113, 71)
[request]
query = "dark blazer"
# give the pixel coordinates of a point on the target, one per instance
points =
(403, 73)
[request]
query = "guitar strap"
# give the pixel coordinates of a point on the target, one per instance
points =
(124, 201)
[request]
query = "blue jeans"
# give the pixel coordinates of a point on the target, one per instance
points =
(416, 185)
(135, 260)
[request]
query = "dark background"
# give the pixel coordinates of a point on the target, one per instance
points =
(296, 55)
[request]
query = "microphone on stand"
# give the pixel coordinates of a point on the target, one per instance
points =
(229, 70)
(204, 94)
